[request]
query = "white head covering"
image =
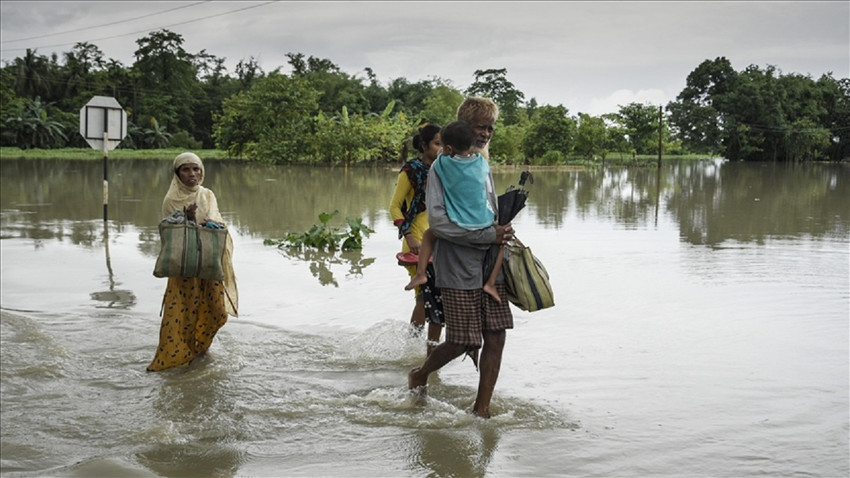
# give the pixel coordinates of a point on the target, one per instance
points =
(179, 195)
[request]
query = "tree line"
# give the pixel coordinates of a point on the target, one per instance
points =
(319, 114)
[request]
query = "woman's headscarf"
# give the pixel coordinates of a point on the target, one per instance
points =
(179, 196)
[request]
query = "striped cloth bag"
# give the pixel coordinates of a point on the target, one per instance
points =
(189, 250)
(526, 279)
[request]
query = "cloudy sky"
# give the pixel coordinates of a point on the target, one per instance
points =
(587, 56)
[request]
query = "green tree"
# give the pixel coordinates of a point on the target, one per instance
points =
(410, 97)
(696, 113)
(806, 141)
(640, 123)
(551, 129)
(440, 106)
(11, 106)
(835, 95)
(616, 139)
(506, 145)
(336, 88)
(493, 84)
(167, 82)
(352, 138)
(271, 121)
(78, 75)
(32, 75)
(376, 96)
(215, 85)
(760, 114)
(340, 137)
(590, 136)
(386, 133)
(247, 71)
(36, 127)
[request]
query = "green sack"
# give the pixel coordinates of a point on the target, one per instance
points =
(526, 279)
(189, 250)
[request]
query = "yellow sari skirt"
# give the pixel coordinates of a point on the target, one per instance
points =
(193, 311)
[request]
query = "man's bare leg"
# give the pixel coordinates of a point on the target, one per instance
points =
(441, 355)
(491, 363)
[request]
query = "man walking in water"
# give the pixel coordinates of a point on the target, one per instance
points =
(472, 317)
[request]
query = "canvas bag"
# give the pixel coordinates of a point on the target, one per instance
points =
(526, 279)
(190, 250)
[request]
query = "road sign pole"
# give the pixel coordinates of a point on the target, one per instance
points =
(105, 172)
(103, 131)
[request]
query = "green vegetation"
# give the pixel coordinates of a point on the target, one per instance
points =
(9, 152)
(319, 115)
(325, 237)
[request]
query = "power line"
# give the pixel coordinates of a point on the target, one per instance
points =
(103, 25)
(147, 30)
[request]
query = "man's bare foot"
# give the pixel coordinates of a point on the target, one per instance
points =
(494, 293)
(418, 387)
(414, 380)
(418, 279)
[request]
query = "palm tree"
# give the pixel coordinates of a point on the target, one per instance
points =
(34, 128)
(32, 75)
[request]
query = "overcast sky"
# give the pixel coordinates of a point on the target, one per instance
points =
(587, 56)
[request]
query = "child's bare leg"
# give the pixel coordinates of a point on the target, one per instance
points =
(490, 285)
(418, 279)
(425, 249)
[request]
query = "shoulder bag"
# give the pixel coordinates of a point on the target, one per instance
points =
(526, 279)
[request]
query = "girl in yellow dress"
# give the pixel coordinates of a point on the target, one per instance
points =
(407, 209)
(193, 309)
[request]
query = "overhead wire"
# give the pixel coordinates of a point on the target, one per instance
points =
(146, 30)
(37, 37)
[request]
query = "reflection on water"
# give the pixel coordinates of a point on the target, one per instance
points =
(711, 201)
(118, 298)
(447, 453)
(321, 263)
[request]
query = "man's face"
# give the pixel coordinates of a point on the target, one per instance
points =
(483, 128)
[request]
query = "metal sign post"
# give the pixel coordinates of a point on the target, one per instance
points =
(103, 124)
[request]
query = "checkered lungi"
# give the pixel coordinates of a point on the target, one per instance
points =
(470, 312)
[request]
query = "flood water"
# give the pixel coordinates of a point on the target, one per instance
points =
(700, 330)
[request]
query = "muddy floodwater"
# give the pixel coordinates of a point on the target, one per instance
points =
(700, 330)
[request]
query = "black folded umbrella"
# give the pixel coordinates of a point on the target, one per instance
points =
(510, 204)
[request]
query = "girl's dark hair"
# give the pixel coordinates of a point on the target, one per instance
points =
(458, 134)
(426, 133)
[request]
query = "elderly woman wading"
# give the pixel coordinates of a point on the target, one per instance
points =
(193, 309)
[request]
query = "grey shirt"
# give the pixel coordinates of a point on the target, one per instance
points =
(459, 253)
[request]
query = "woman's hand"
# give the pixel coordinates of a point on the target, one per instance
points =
(190, 211)
(504, 234)
(413, 243)
(210, 224)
